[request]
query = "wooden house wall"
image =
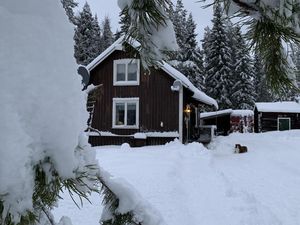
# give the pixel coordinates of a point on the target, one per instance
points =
(118, 140)
(269, 121)
(222, 123)
(256, 124)
(157, 103)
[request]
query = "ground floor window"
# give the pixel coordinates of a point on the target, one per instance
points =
(125, 113)
(284, 123)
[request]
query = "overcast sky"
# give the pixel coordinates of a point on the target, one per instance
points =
(110, 8)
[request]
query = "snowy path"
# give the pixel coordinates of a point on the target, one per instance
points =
(190, 185)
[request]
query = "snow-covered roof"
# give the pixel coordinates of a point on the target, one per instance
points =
(236, 112)
(199, 95)
(284, 107)
(117, 45)
(242, 112)
(215, 113)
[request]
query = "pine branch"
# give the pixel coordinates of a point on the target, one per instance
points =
(246, 6)
(269, 26)
(267, 38)
(146, 17)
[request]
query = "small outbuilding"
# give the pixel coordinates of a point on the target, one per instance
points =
(228, 121)
(272, 116)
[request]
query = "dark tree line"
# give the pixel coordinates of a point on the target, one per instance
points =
(224, 67)
(90, 38)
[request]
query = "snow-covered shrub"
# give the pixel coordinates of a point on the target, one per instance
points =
(42, 114)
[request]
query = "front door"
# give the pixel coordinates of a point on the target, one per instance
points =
(284, 123)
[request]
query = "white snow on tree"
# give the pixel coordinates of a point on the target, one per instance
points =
(43, 109)
(151, 27)
(263, 92)
(295, 55)
(272, 23)
(180, 26)
(188, 58)
(69, 6)
(87, 37)
(243, 92)
(107, 35)
(217, 61)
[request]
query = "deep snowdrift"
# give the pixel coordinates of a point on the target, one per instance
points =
(192, 185)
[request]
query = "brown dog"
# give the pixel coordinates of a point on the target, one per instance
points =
(240, 149)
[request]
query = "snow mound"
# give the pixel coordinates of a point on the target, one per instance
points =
(189, 184)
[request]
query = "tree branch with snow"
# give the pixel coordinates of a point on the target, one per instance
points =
(151, 27)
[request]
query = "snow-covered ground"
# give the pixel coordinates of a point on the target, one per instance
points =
(191, 185)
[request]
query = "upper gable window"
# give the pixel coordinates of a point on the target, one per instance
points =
(126, 72)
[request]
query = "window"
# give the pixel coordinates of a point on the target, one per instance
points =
(126, 113)
(284, 123)
(126, 72)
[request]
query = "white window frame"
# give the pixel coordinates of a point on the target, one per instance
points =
(126, 82)
(126, 101)
(285, 118)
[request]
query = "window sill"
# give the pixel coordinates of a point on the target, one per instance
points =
(126, 83)
(126, 127)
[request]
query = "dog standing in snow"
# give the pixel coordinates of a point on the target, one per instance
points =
(240, 149)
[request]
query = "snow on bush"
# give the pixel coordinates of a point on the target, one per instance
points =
(129, 201)
(42, 109)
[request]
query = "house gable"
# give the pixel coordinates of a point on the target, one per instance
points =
(171, 71)
(158, 104)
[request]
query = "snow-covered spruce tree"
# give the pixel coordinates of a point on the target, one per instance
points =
(86, 37)
(231, 34)
(243, 92)
(107, 35)
(188, 58)
(98, 40)
(263, 92)
(180, 27)
(217, 62)
(295, 55)
(191, 63)
(272, 23)
(69, 6)
(124, 21)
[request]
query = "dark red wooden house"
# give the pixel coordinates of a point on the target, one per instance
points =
(139, 108)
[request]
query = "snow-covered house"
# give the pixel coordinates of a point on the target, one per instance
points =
(229, 120)
(272, 116)
(136, 106)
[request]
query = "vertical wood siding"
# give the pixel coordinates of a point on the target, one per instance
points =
(157, 103)
(268, 121)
